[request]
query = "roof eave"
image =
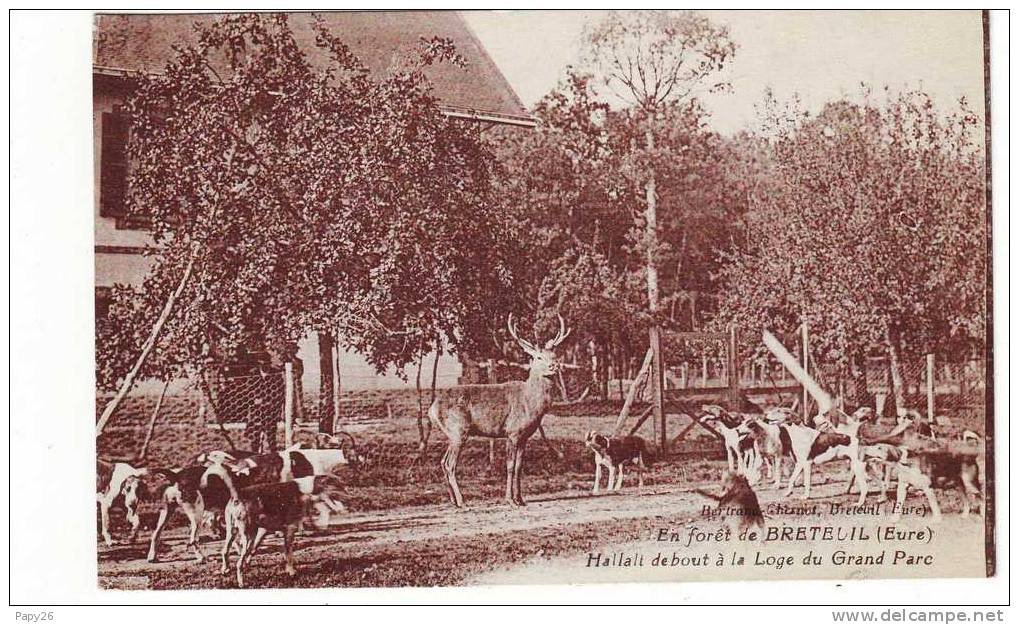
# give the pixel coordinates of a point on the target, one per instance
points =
(493, 117)
(527, 121)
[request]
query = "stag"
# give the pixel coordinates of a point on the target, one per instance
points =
(511, 410)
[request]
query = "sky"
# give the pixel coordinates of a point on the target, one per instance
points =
(819, 55)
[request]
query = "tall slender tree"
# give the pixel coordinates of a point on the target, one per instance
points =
(654, 62)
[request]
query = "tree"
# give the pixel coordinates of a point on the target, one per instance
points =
(655, 62)
(287, 196)
(867, 222)
(568, 234)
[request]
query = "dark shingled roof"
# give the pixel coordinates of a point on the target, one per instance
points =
(142, 42)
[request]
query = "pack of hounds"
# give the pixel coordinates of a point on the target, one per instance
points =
(246, 495)
(759, 445)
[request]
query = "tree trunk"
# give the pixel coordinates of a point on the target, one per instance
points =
(859, 396)
(426, 431)
(150, 342)
(421, 399)
(325, 382)
(654, 332)
(336, 382)
(894, 367)
(693, 311)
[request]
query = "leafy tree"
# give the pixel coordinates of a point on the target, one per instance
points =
(568, 233)
(868, 223)
(288, 196)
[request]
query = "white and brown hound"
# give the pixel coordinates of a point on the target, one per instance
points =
(119, 481)
(735, 436)
(768, 444)
(930, 464)
(928, 469)
(809, 446)
(185, 491)
(612, 453)
(253, 511)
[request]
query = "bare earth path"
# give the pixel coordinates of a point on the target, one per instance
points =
(419, 523)
(548, 540)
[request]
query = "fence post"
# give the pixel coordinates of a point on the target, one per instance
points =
(288, 404)
(930, 388)
(704, 369)
(806, 369)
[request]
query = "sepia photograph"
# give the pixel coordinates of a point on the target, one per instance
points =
(439, 298)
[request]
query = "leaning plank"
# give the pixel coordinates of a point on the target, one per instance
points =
(152, 422)
(684, 431)
(641, 419)
(150, 342)
(625, 412)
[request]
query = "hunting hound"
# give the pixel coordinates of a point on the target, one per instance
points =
(612, 453)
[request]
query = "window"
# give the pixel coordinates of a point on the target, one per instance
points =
(113, 165)
(104, 296)
(113, 171)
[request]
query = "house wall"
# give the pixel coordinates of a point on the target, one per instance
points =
(112, 264)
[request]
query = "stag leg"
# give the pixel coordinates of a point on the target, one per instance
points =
(449, 463)
(511, 467)
(449, 486)
(518, 471)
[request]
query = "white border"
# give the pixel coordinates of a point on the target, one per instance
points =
(53, 558)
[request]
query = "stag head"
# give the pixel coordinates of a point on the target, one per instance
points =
(543, 359)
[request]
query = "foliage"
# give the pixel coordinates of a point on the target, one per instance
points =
(571, 185)
(651, 58)
(312, 195)
(868, 222)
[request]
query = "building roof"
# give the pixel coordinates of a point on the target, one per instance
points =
(143, 42)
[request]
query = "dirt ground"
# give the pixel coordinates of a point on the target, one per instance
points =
(401, 532)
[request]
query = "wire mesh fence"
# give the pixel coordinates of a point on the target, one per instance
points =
(244, 408)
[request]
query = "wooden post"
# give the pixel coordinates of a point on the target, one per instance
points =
(930, 388)
(733, 366)
(658, 384)
(704, 369)
(806, 368)
(288, 404)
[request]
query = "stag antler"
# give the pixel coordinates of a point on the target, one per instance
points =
(529, 347)
(560, 335)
